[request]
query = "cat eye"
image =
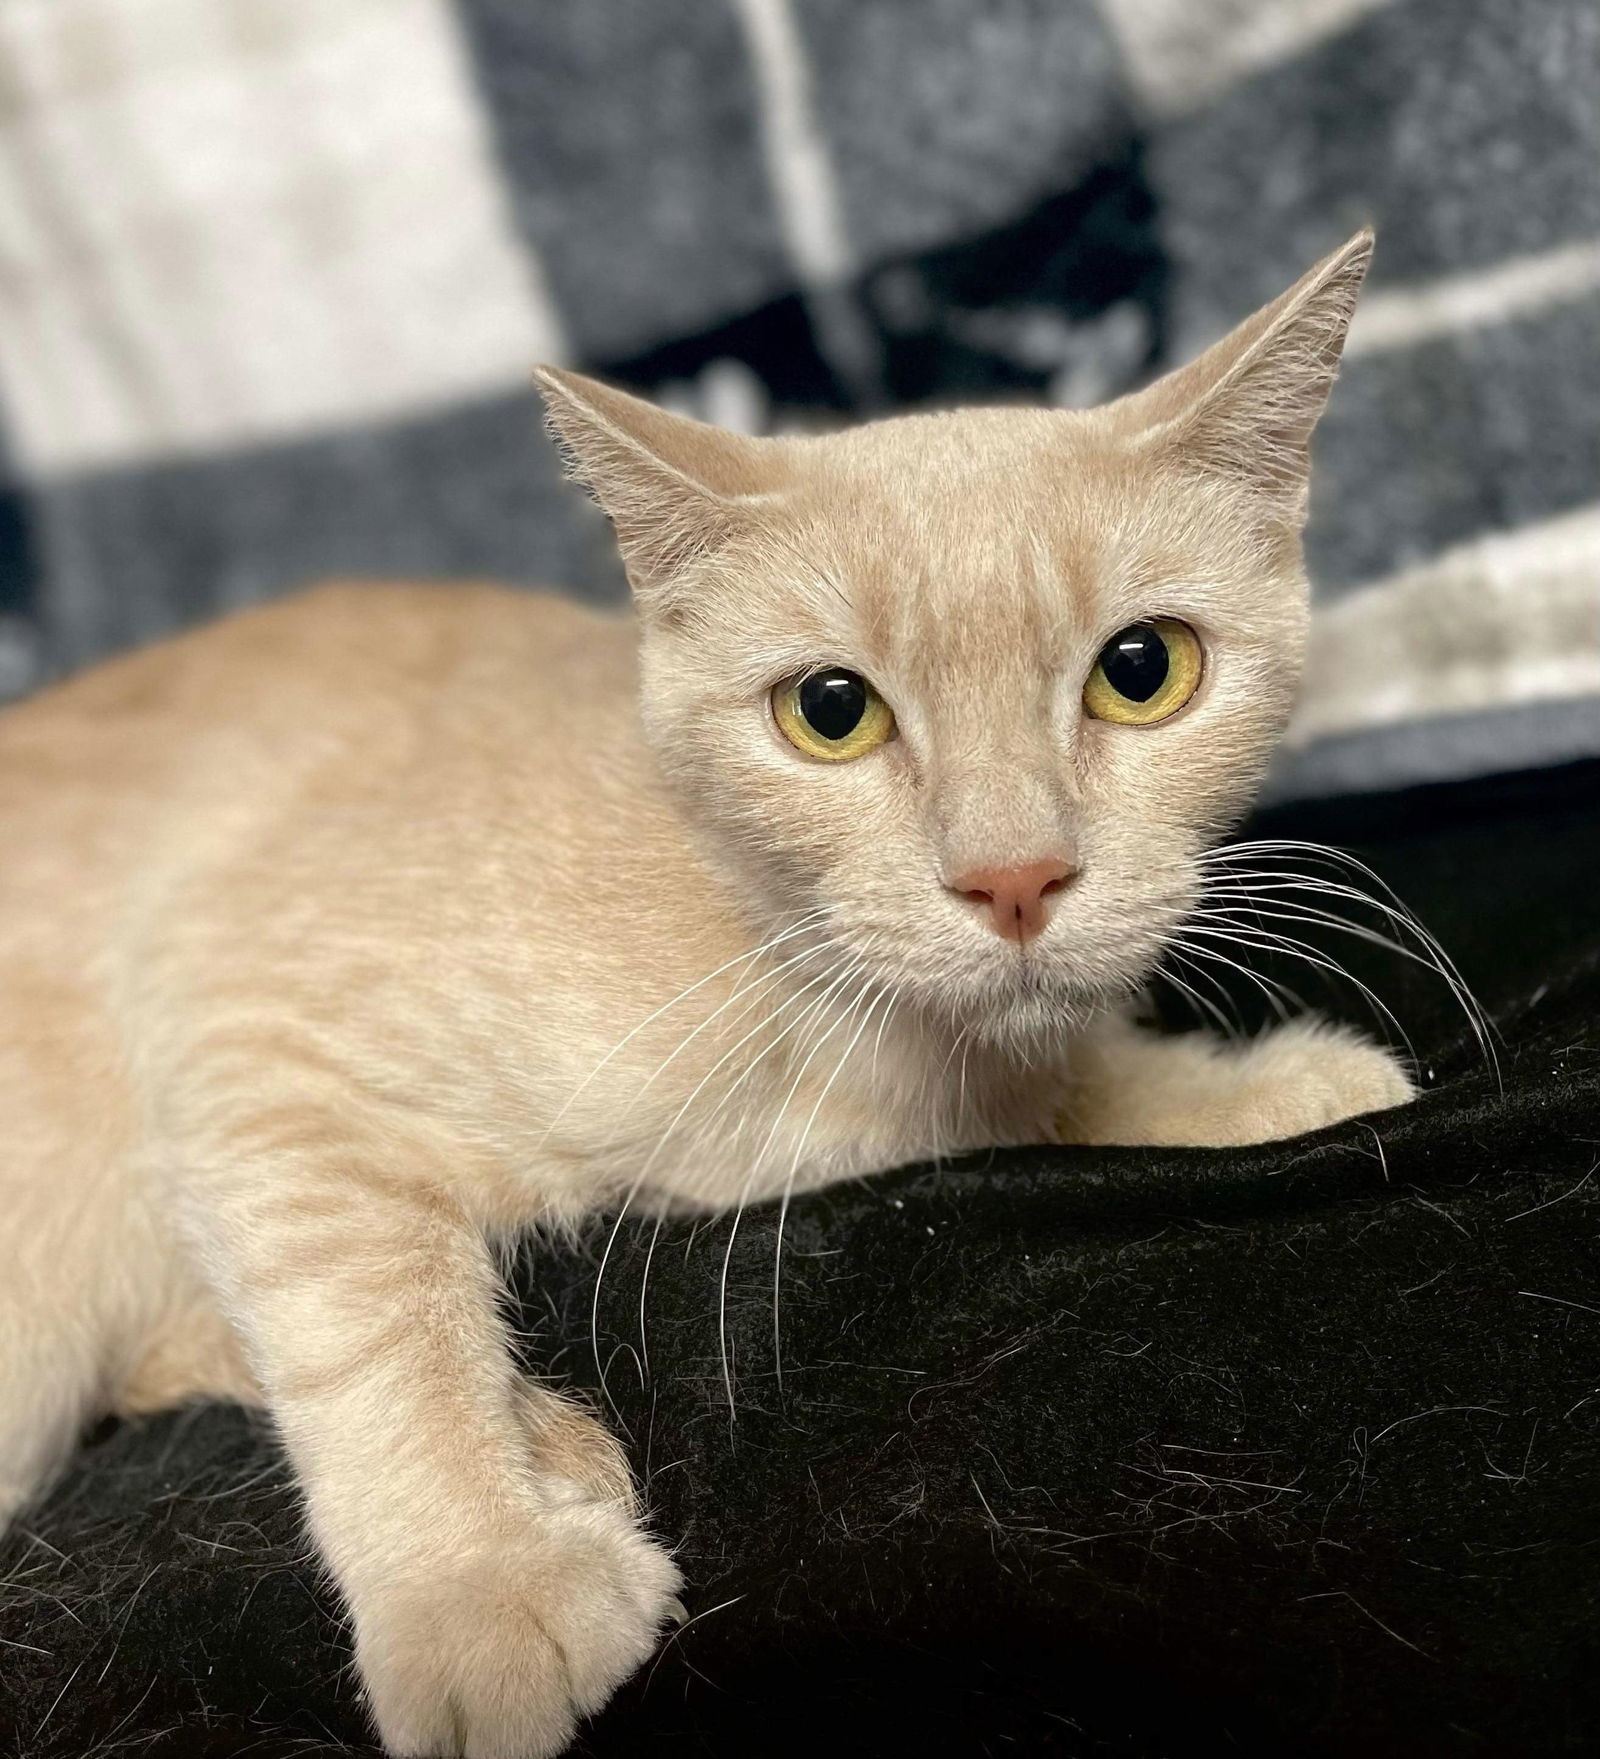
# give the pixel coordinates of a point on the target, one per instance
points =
(832, 714)
(1145, 673)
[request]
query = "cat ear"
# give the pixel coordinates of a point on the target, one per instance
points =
(675, 489)
(1246, 408)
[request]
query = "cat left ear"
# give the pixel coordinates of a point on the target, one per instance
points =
(1245, 410)
(675, 489)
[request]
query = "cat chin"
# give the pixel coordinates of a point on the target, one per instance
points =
(1005, 1001)
(1027, 1029)
(1023, 1018)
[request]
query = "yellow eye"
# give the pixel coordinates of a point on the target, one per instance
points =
(1144, 673)
(832, 714)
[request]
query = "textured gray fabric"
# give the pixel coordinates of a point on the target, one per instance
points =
(629, 132)
(1425, 446)
(945, 119)
(476, 491)
(1467, 130)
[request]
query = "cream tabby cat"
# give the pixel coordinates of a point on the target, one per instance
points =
(344, 940)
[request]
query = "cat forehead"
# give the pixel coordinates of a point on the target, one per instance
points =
(956, 452)
(955, 530)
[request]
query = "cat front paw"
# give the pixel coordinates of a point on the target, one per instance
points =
(1309, 1074)
(1195, 1090)
(499, 1652)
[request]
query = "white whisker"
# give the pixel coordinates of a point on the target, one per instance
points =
(1267, 940)
(825, 977)
(1274, 989)
(938, 1153)
(799, 1155)
(877, 1043)
(807, 921)
(594, 1303)
(1203, 1004)
(849, 975)
(760, 986)
(1239, 883)
(1431, 957)
(644, 1284)
(1325, 854)
(661, 1140)
(960, 1131)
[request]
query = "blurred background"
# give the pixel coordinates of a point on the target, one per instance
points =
(273, 274)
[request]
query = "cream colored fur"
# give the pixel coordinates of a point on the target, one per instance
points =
(346, 939)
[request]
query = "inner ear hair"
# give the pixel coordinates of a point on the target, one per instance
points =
(675, 489)
(1246, 408)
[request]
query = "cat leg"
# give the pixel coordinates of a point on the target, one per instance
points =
(1198, 1090)
(77, 1270)
(193, 1353)
(480, 1528)
(52, 1371)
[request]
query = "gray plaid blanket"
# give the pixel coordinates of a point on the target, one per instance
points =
(272, 275)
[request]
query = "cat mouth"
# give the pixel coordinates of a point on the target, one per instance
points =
(979, 981)
(1034, 994)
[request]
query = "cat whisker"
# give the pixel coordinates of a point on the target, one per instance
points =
(956, 1044)
(807, 921)
(594, 1303)
(747, 992)
(794, 1167)
(1325, 854)
(750, 1068)
(644, 1284)
(1276, 993)
(961, 1093)
(1251, 904)
(877, 1043)
(650, 1160)
(853, 971)
(1241, 876)
(1267, 940)
(1283, 888)
(1271, 988)
(855, 967)
(1226, 1008)
(1272, 880)
(1477, 1021)
(1202, 1004)
(760, 987)
(1313, 854)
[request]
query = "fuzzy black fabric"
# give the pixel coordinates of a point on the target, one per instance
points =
(1293, 1449)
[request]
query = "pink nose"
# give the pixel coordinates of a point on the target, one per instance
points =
(1015, 896)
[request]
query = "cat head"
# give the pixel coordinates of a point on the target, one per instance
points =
(979, 685)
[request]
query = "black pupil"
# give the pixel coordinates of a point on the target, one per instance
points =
(833, 703)
(1136, 662)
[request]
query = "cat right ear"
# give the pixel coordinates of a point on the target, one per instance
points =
(676, 490)
(1244, 411)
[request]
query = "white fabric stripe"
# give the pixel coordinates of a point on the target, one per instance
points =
(1510, 618)
(797, 157)
(1396, 317)
(1182, 53)
(231, 224)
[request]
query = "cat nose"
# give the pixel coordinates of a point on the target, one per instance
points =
(1015, 896)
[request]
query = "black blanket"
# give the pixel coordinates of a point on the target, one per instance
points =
(1293, 1449)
